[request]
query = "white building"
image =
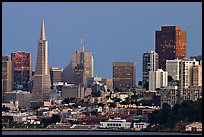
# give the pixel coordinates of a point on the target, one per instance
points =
(169, 95)
(116, 123)
(172, 67)
(150, 63)
(140, 126)
(186, 74)
(157, 79)
(194, 127)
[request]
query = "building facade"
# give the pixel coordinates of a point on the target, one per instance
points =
(169, 95)
(108, 82)
(186, 74)
(55, 75)
(150, 63)
(170, 44)
(124, 76)
(42, 83)
(80, 68)
(172, 67)
(197, 75)
(72, 91)
(157, 79)
(22, 70)
(192, 93)
(6, 74)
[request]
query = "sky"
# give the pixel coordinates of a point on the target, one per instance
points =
(113, 32)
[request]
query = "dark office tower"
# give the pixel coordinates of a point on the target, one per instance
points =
(42, 84)
(22, 70)
(6, 74)
(150, 63)
(170, 44)
(55, 75)
(124, 76)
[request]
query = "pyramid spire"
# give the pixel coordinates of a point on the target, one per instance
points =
(42, 33)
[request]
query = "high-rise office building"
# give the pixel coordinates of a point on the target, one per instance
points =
(186, 75)
(197, 75)
(124, 76)
(6, 74)
(55, 75)
(22, 70)
(170, 44)
(80, 68)
(150, 63)
(172, 67)
(157, 79)
(42, 83)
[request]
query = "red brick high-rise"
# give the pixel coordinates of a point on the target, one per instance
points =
(170, 44)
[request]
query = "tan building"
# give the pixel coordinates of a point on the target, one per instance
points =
(192, 93)
(197, 75)
(108, 82)
(80, 68)
(170, 44)
(42, 83)
(6, 74)
(124, 76)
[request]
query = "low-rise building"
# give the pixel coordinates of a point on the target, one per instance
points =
(140, 126)
(116, 123)
(169, 95)
(192, 93)
(71, 90)
(194, 127)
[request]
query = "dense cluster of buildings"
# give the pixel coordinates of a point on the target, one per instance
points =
(167, 73)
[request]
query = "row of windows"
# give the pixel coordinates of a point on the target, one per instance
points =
(113, 124)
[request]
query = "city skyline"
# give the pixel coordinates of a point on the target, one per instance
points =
(101, 27)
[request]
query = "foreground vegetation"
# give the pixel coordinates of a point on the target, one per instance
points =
(175, 118)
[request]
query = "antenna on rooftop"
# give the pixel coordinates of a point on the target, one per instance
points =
(82, 45)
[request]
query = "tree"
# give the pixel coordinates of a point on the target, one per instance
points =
(55, 118)
(112, 105)
(66, 101)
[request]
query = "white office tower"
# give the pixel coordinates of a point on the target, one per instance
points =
(150, 63)
(157, 79)
(172, 67)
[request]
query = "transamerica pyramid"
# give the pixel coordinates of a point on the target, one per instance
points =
(42, 83)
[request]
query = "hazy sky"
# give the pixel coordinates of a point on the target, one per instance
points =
(112, 31)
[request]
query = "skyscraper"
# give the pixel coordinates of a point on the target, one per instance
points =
(80, 68)
(124, 76)
(55, 75)
(150, 63)
(22, 69)
(170, 44)
(42, 83)
(6, 74)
